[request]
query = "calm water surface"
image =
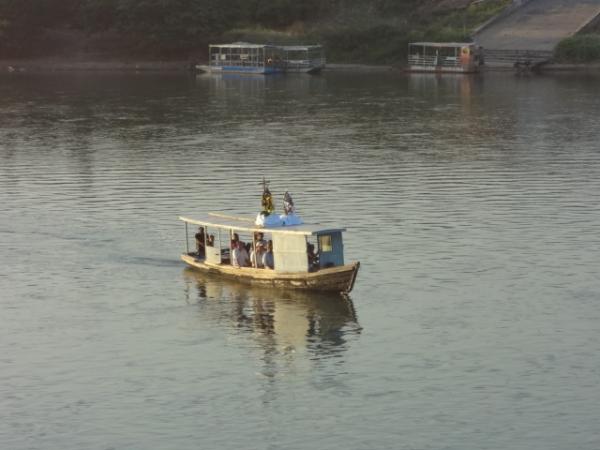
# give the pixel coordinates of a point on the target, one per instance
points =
(472, 203)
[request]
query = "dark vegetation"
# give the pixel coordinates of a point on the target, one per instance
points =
(584, 48)
(374, 31)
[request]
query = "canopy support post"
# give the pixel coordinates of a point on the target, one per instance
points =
(187, 243)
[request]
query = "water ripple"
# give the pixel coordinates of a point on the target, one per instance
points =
(471, 203)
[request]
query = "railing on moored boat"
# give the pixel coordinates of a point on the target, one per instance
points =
(263, 58)
(443, 57)
(245, 57)
(303, 58)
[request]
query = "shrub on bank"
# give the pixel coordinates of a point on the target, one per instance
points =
(353, 31)
(583, 48)
(263, 36)
(457, 25)
(378, 44)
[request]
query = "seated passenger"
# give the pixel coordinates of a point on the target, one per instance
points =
(210, 241)
(267, 258)
(313, 258)
(239, 256)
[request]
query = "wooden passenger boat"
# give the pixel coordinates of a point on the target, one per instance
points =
(295, 265)
(291, 269)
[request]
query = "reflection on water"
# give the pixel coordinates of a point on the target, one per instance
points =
(286, 324)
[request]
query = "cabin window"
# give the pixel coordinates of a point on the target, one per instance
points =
(325, 243)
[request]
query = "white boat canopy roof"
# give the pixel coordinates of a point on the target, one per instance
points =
(293, 48)
(242, 45)
(247, 224)
(443, 44)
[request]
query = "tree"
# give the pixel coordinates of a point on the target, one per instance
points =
(173, 24)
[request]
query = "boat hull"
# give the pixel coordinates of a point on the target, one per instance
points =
(442, 69)
(304, 69)
(257, 70)
(333, 279)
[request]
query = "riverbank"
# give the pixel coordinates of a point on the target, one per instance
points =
(80, 65)
(74, 65)
(549, 68)
(45, 65)
(559, 67)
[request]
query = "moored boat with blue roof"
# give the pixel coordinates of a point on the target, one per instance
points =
(243, 57)
(263, 59)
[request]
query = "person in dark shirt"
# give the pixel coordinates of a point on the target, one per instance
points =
(268, 261)
(234, 241)
(200, 242)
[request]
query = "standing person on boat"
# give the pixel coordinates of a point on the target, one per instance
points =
(259, 239)
(234, 241)
(256, 256)
(260, 247)
(267, 259)
(239, 256)
(200, 242)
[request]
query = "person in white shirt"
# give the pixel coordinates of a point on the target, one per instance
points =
(256, 255)
(239, 256)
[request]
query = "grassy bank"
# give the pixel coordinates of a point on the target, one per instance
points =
(359, 36)
(579, 49)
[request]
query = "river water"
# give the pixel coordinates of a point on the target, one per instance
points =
(473, 204)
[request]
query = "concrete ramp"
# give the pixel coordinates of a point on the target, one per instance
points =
(536, 26)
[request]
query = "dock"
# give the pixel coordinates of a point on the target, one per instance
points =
(527, 32)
